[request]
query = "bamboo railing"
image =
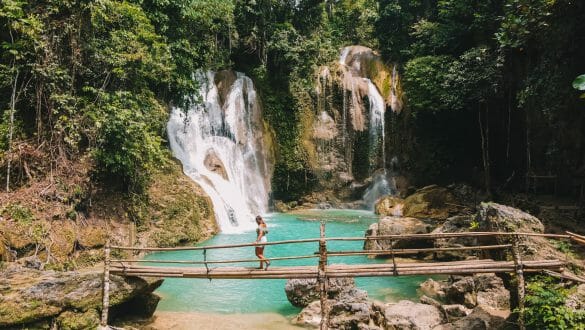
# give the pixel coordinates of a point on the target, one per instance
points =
(323, 270)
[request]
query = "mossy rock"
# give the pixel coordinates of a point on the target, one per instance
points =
(179, 211)
(22, 312)
(91, 237)
(63, 237)
(70, 320)
(431, 202)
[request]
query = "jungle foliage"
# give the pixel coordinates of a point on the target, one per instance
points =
(487, 83)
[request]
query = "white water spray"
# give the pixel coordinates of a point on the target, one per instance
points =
(221, 147)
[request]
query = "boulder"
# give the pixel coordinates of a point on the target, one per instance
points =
(301, 292)
(29, 296)
(481, 318)
(497, 217)
(456, 224)
(389, 206)
(409, 315)
(431, 202)
(479, 290)
(397, 226)
(433, 289)
(350, 310)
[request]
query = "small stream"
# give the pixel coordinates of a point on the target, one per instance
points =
(260, 296)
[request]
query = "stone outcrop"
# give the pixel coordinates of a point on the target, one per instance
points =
(409, 315)
(481, 318)
(72, 299)
(351, 309)
(482, 289)
(389, 206)
(397, 226)
(431, 202)
(301, 292)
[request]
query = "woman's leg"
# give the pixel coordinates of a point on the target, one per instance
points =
(260, 255)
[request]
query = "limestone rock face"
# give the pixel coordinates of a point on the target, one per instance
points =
(389, 205)
(350, 310)
(432, 202)
(481, 318)
(397, 226)
(301, 292)
(498, 217)
(456, 224)
(479, 290)
(409, 315)
(29, 296)
(214, 164)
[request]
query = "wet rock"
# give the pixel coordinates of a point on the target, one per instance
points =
(213, 163)
(389, 206)
(431, 202)
(408, 315)
(301, 292)
(397, 226)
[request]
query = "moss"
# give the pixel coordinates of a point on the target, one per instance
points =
(177, 210)
(13, 313)
(77, 321)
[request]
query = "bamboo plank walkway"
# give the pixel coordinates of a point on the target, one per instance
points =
(324, 269)
(338, 270)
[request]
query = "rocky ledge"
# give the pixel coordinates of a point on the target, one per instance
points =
(69, 300)
(475, 302)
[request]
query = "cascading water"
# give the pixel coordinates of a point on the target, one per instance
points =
(358, 86)
(221, 147)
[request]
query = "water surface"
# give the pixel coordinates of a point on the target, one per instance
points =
(261, 296)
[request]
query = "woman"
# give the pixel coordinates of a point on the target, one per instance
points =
(261, 231)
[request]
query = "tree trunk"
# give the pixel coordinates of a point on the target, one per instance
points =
(485, 147)
(11, 127)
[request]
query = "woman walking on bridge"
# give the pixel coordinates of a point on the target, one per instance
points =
(261, 232)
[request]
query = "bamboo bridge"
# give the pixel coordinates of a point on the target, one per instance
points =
(322, 270)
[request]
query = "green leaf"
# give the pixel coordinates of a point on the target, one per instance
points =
(579, 83)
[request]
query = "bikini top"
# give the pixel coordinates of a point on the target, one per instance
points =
(264, 229)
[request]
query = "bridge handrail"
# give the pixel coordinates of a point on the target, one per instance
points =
(332, 239)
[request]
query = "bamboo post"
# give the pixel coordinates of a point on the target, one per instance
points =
(106, 287)
(520, 279)
(322, 278)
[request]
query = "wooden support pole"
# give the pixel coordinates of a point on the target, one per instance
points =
(520, 280)
(106, 287)
(322, 278)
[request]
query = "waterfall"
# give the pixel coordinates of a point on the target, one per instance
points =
(359, 86)
(221, 147)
